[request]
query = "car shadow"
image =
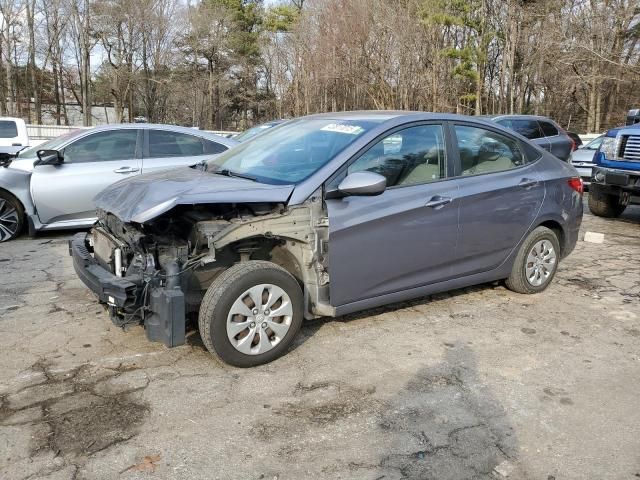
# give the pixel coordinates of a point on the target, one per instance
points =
(446, 423)
(435, 297)
(311, 327)
(630, 215)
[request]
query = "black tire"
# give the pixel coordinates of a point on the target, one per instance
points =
(518, 281)
(10, 229)
(604, 204)
(225, 290)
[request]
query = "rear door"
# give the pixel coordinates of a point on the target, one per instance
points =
(500, 195)
(403, 238)
(559, 143)
(91, 163)
(528, 128)
(167, 149)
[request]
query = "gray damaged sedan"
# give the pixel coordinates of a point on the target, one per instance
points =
(51, 186)
(323, 216)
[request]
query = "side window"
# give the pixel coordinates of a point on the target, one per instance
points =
(407, 157)
(103, 147)
(484, 151)
(213, 147)
(163, 143)
(548, 129)
(527, 128)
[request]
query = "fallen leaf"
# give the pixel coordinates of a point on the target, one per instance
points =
(148, 464)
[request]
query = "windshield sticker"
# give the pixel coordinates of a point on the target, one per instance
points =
(342, 128)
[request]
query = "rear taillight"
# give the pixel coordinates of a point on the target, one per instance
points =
(576, 184)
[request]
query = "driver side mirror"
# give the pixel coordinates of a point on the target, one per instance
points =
(49, 157)
(362, 184)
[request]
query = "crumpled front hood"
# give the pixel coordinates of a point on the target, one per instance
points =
(147, 196)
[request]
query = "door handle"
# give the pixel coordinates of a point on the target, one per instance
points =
(527, 183)
(126, 170)
(438, 202)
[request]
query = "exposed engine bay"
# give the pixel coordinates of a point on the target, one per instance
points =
(174, 257)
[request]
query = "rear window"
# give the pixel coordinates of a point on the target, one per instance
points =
(549, 129)
(8, 129)
(213, 147)
(527, 128)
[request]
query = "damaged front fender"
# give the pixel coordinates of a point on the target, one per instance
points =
(303, 235)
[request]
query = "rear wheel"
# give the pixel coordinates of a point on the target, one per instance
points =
(604, 204)
(536, 262)
(251, 313)
(11, 217)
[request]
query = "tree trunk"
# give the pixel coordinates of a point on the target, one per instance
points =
(3, 87)
(33, 77)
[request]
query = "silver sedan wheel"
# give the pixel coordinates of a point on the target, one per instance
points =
(541, 263)
(259, 319)
(8, 220)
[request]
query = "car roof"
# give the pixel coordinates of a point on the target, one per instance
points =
(515, 116)
(159, 126)
(385, 115)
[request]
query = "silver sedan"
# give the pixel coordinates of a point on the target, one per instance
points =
(51, 186)
(583, 158)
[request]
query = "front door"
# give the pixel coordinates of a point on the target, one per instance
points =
(406, 236)
(500, 196)
(91, 163)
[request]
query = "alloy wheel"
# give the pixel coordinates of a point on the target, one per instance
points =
(9, 220)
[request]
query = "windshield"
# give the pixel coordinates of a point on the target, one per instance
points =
(252, 132)
(291, 152)
(594, 144)
(52, 144)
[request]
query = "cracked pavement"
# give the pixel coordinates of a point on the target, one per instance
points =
(475, 383)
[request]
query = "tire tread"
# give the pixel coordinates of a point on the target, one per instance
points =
(219, 286)
(603, 204)
(517, 281)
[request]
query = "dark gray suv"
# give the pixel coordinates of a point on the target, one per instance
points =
(323, 216)
(542, 131)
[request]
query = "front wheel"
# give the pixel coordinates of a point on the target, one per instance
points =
(536, 262)
(11, 217)
(251, 313)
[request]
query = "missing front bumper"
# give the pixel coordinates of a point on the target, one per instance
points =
(164, 317)
(118, 292)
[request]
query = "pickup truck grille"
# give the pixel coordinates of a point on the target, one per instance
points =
(630, 148)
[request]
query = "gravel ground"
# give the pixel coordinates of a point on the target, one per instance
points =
(475, 383)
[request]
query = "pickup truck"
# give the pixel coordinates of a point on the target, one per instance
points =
(13, 137)
(616, 174)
